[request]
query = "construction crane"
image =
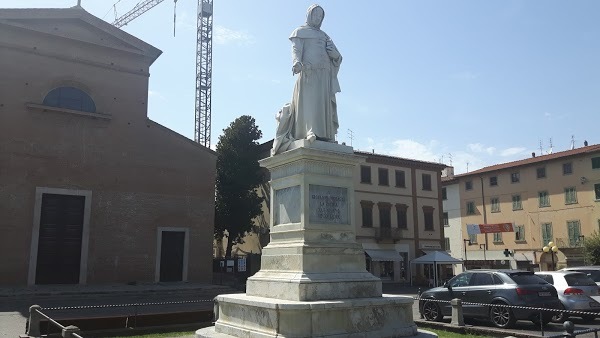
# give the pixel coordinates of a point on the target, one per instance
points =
(203, 61)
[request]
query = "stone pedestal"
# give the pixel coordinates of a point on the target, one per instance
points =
(313, 280)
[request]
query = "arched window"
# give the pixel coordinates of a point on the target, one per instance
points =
(70, 98)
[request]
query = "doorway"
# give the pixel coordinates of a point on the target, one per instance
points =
(60, 239)
(172, 255)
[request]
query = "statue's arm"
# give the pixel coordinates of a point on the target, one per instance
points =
(332, 50)
(297, 48)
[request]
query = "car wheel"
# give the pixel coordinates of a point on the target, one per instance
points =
(432, 312)
(501, 316)
(588, 318)
(560, 316)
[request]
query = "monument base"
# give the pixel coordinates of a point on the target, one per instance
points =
(247, 316)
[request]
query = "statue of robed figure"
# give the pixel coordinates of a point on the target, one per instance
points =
(312, 113)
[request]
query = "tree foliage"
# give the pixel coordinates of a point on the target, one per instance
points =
(591, 249)
(238, 174)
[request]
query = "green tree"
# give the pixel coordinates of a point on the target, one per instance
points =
(238, 174)
(591, 249)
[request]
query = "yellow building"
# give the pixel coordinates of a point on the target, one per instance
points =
(553, 197)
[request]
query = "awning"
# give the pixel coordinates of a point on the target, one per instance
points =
(378, 255)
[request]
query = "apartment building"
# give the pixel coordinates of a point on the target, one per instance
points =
(553, 197)
(398, 213)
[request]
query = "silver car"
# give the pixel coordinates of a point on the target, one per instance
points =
(593, 271)
(574, 290)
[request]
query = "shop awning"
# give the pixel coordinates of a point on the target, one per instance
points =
(380, 255)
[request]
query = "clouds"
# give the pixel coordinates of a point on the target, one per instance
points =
(223, 35)
(512, 151)
(472, 157)
(479, 148)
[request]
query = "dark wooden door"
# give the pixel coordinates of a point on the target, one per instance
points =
(59, 245)
(171, 256)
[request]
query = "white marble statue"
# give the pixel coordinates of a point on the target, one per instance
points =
(312, 114)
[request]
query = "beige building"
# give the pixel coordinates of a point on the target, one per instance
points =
(547, 198)
(91, 190)
(398, 215)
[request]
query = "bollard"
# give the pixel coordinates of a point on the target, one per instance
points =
(569, 329)
(68, 331)
(34, 321)
(215, 310)
(457, 312)
(419, 296)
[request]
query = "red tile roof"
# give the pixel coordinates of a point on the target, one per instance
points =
(538, 159)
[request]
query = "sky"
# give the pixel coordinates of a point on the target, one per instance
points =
(468, 83)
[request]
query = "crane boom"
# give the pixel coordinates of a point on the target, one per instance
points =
(138, 10)
(203, 62)
(204, 72)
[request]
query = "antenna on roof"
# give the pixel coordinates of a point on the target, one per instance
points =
(467, 166)
(450, 158)
(79, 3)
(350, 136)
(572, 142)
(550, 146)
(541, 148)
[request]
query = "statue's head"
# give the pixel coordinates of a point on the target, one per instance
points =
(314, 16)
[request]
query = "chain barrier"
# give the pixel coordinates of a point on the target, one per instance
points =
(36, 314)
(81, 307)
(574, 312)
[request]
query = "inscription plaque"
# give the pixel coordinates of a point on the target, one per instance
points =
(328, 205)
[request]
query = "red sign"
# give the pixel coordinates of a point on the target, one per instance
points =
(494, 228)
(473, 229)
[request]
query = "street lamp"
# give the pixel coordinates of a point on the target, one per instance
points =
(484, 247)
(466, 242)
(552, 249)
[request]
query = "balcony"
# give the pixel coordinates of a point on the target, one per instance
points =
(387, 234)
(566, 243)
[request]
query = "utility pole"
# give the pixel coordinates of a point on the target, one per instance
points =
(484, 218)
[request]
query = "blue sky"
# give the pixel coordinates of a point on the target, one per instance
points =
(472, 83)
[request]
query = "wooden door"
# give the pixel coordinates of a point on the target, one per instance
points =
(59, 244)
(171, 256)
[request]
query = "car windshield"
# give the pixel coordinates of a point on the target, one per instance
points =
(527, 278)
(579, 279)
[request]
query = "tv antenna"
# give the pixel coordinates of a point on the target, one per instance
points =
(350, 136)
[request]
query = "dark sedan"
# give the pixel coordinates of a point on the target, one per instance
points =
(487, 292)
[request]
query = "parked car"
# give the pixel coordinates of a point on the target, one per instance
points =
(490, 291)
(593, 271)
(574, 291)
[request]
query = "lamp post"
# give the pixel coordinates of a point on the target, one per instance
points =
(466, 242)
(552, 249)
(484, 247)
